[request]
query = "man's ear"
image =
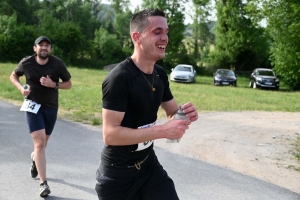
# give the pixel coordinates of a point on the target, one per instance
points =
(136, 37)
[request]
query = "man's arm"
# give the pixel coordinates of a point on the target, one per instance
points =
(170, 108)
(115, 134)
(15, 79)
(47, 82)
(65, 85)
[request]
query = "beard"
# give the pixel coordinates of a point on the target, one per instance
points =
(43, 56)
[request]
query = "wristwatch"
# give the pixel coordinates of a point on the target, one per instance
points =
(57, 85)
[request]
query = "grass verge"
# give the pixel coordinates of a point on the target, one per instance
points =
(296, 150)
(83, 103)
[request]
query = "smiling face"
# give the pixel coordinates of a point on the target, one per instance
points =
(152, 42)
(43, 50)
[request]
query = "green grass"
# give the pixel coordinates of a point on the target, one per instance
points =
(83, 102)
(296, 149)
(208, 97)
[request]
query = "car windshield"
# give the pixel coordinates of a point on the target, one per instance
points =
(226, 72)
(265, 73)
(183, 68)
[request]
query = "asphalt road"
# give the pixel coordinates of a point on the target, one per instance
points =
(73, 155)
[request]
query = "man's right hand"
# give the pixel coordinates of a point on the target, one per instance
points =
(174, 129)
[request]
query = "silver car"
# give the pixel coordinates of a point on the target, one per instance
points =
(183, 73)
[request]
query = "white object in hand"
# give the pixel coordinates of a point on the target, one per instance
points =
(178, 115)
(26, 88)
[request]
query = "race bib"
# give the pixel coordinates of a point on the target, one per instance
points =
(30, 106)
(145, 145)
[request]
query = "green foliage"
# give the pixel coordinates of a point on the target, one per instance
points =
(13, 38)
(201, 37)
(83, 101)
(119, 5)
(107, 45)
(121, 26)
(284, 27)
(69, 24)
(297, 149)
(68, 41)
(240, 41)
(19, 7)
(239, 44)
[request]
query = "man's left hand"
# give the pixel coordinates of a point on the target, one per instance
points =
(190, 111)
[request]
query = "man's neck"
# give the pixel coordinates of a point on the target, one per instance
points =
(143, 64)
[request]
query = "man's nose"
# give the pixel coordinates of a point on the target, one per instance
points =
(164, 37)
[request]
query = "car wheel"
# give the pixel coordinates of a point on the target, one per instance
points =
(215, 82)
(254, 85)
(250, 84)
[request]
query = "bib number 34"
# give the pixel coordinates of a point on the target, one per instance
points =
(30, 106)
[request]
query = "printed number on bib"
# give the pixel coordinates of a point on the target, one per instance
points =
(146, 144)
(30, 106)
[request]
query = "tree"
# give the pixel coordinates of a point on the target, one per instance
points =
(67, 37)
(121, 27)
(238, 43)
(283, 25)
(107, 46)
(121, 24)
(119, 5)
(20, 7)
(15, 39)
(202, 38)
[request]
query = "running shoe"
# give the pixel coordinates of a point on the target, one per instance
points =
(33, 168)
(44, 189)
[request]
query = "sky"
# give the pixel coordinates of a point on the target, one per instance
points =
(135, 3)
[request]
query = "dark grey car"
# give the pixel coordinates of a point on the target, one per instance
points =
(225, 77)
(263, 78)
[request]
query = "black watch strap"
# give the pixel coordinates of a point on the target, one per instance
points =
(57, 85)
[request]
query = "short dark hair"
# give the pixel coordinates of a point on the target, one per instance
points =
(140, 21)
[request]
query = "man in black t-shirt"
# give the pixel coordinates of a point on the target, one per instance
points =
(43, 72)
(132, 94)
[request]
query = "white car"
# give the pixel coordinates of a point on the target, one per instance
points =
(183, 73)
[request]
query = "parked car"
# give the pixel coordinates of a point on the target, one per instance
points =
(263, 78)
(225, 77)
(183, 73)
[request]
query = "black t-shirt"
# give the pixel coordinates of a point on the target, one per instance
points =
(54, 68)
(125, 89)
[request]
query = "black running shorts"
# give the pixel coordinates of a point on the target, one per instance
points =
(45, 118)
(150, 182)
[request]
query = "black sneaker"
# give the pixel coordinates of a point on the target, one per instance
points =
(44, 189)
(33, 168)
